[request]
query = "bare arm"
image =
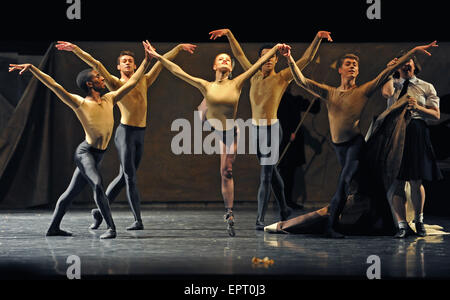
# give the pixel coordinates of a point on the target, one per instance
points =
(371, 86)
(177, 71)
(111, 81)
(309, 54)
(151, 76)
(252, 70)
(235, 47)
(431, 109)
(388, 88)
(315, 88)
(131, 83)
(72, 100)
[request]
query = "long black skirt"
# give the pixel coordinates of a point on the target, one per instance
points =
(419, 160)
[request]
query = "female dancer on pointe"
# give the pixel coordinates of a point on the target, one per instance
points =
(222, 97)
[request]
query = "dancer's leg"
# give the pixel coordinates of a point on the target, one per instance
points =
(227, 158)
(128, 144)
(349, 155)
(418, 202)
(77, 183)
(88, 161)
(264, 191)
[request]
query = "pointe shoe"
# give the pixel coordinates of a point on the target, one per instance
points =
(274, 228)
(98, 218)
(109, 234)
(137, 225)
(229, 219)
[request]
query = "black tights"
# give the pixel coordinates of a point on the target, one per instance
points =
(349, 155)
(270, 178)
(129, 142)
(87, 160)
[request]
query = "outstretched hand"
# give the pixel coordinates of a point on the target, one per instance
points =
(218, 33)
(22, 68)
(284, 50)
(424, 48)
(392, 62)
(189, 48)
(325, 34)
(65, 46)
(150, 50)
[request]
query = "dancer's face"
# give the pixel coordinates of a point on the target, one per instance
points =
(97, 81)
(349, 68)
(222, 63)
(270, 64)
(126, 64)
(407, 70)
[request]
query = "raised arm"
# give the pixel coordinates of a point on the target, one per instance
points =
(309, 54)
(314, 88)
(111, 81)
(371, 86)
(70, 99)
(255, 67)
(177, 71)
(151, 76)
(235, 47)
(131, 83)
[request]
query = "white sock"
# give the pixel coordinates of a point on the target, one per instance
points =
(402, 225)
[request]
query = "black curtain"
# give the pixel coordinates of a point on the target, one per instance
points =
(25, 152)
(41, 133)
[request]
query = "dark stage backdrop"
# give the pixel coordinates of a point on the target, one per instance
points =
(38, 140)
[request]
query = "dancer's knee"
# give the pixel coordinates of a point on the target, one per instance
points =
(266, 174)
(130, 178)
(227, 173)
(350, 171)
(98, 188)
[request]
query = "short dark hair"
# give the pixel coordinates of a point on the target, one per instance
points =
(82, 78)
(126, 52)
(344, 57)
(265, 46)
(417, 65)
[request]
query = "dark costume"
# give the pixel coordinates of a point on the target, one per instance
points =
(367, 209)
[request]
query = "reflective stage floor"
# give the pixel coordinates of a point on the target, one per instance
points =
(193, 243)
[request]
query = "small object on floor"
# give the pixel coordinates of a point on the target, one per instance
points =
(265, 262)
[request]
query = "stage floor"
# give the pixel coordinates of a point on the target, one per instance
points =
(181, 243)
